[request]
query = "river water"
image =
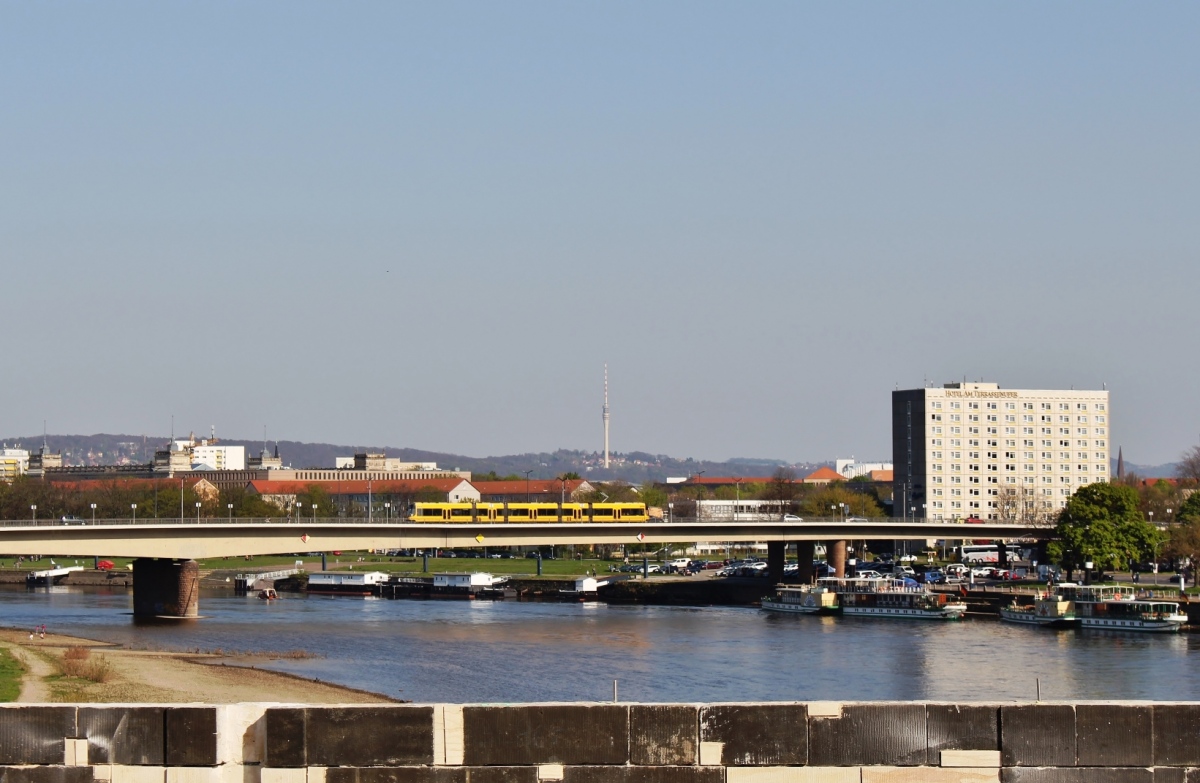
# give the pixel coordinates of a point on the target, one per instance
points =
(508, 651)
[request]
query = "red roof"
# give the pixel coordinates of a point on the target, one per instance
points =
(352, 487)
(824, 474)
(882, 475)
(723, 480)
(534, 487)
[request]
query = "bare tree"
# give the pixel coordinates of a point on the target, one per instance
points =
(782, 485)
(1189, 465)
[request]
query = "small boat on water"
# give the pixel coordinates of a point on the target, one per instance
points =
(1048, 608)
(1107, 607)
(871, 597)
(268, 594)
(802, 599)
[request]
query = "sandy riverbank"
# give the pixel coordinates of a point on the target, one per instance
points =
(138, 676)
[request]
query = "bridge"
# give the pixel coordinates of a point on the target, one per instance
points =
(165, 571)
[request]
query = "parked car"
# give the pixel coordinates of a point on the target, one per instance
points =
(792, 518)
(70, 519)
(904, 570)
(934, 577)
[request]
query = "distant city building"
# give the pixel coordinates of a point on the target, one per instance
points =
(44, 461)
(13, 463)
(361, 493)
(533, 491)
(976, 450)
(851, 469)
(381, 462)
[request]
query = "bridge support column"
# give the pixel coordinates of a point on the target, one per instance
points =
(166, 588)
(1001, 554)
(776, 551)
(837, 558)
(806, 551)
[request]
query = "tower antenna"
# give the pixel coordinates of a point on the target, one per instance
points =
(605, 417)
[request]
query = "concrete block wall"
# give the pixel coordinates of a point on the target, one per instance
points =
(782, 742)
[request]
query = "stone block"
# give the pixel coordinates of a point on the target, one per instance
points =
(283, 775)
(75, 752)
(550, 772)
(643, 775)
(124, 735)
(930, 775)
(369, 736)
(285, 744)
(241, 734)
(546, 734)
(123, 774)
(1076, 775)
(1114, 735)
(970, 758)
(191, 736)
(448, 735)
(1170, 775)
(432, 775)
(193, 775)
(1037, 735)
(793, 775)
(766, 735)
(667, 735)
(955, 727)
(102, 772)
(316, 774)
(1177, 735)
(870, 734)
(46, 774)
(34, 735)
(710, 753)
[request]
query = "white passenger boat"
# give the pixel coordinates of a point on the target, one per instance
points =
(899, 598)
(802, 599)
(1116, 608)
(1049, 608)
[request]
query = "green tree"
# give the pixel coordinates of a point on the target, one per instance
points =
(1102, 523)
(316, 494)
(1189, 510)
(821, 503)
(1184, 541)
(653, 496)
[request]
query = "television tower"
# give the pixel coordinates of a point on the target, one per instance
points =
(605, 417)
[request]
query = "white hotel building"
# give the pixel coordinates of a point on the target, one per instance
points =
(976, 450)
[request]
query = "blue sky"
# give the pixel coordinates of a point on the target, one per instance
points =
(430, 225)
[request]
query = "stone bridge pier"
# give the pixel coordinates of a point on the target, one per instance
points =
(166, 588)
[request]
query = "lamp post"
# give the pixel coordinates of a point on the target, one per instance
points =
(387, 509)
(314, 505)
(230, 507)
(197, 512)
(33, 511)
(737, 497)
(842, 506)
(93, 513)
(368, 501)
(527, 485)
(833, 510)
(133, 512)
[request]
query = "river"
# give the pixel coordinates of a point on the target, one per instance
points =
(508, 651)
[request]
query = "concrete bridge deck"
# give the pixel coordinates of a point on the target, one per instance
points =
(222, 537)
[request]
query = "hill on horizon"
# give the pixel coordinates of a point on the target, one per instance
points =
(635, 467)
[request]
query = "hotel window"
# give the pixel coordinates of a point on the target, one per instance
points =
(1099, 419)
(937, 430)
(1082, 468)
(956, 479)
(956, 430)
(955, 405)
(937, 441)
(1046, 406)
(1029, 468)
(1064, 430)
(1027, 406)
(993, 417)
(1081, 430)
(1010, 430)
(1099, 406)
(1100, 444)
(1064, 406)
(1064, 419)
(1099, 455)
(935, 416)
(1081, 419)
(1010, 417)
(1100, 431)
(1029, 479)
(937, 404)
(937, 455)
(991, 406)
(955, 504)
(936, 468)
(973, 406)
(955, 442)
(955, 417)
(993, 430)
(1101, 469)
(955, 467)
(1045, 430)
(973, 417)
(973, 430)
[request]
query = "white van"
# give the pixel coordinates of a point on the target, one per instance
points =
(679, 562)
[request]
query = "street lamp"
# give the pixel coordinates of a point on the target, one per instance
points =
(387, 509)
(230, 507)
(737, 497)
(133, 510)
(33, 510)
(314, 505)
(93, 513)
(527, 485)
(842, 506)
(197, 512)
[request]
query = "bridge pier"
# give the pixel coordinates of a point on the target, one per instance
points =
(776, 551)
(166, 588)
(806, 551)
(1001, 554)
(837, 558)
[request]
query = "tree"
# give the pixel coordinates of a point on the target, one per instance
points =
(1189, 510)
(1189, 465)
(782, 485)
(1102, 524)
(821, 503)
(1184, 541)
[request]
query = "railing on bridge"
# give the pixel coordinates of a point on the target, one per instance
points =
(394, 520)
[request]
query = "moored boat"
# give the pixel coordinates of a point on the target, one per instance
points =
(802, 599)
(1049, 609)
(898, 598)
(1116, 608)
